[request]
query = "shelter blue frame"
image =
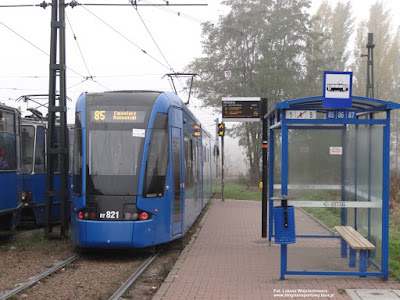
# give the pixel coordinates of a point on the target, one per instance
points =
(360, 106)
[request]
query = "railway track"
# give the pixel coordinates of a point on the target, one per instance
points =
(35, 279)
(49, 271)
(124, 287)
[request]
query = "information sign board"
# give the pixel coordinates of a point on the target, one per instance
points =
(337, 90)
(241, 109)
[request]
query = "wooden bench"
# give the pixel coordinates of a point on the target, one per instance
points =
(356, 242)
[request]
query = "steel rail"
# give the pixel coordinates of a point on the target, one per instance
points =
(32, 281)
(122, 289)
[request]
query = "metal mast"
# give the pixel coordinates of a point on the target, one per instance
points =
(370, 66)
(57, 149)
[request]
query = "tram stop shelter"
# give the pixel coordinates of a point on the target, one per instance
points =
(333, 165)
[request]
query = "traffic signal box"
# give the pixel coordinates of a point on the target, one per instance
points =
(221, 129)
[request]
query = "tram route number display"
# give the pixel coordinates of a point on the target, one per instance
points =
(301, 114)
(341, 115)
(115, 116)
(240, 109)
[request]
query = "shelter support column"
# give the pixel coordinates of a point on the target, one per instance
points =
(284, 186)
(271, 183)
(385, 197)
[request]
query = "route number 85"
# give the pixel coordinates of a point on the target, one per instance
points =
(99, 115)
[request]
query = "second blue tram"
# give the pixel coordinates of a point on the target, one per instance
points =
(34, 139)
(10, 179)
(143, 169)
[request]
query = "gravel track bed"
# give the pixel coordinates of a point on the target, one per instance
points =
(94, 276)
(97, 274)
(22, 259)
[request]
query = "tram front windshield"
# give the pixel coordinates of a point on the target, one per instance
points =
(114, 147)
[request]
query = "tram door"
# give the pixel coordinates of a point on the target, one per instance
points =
(176, 157)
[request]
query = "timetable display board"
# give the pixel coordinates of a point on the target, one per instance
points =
(241, 109)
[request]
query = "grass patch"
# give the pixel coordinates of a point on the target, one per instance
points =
(36, 240)
(163, 274)
(394, 245)
(237, 191)
(329, 216)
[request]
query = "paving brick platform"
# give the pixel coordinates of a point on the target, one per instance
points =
(228, 259)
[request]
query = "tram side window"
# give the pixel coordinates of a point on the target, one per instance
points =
(40, 150)
(8, 141)
(77, 157)
(188, 145)
(7, 122)
(28, 139)
(157, 159)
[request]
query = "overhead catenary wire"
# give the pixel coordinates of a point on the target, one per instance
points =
(132, 3)
(75, 3)
(177, 13)
(152, 37)
(77, 44)
(26, 40)
(44, 52)
(21, 5)
(89, 77)
(158, 47)
(126, 38)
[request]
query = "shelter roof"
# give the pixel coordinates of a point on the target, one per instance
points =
(358, 104)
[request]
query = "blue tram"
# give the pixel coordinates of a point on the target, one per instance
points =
(10, 179)
(143, 169)
(33, 165)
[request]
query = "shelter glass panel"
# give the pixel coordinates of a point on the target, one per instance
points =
(314, 164)
(277, 160)
(364, 183)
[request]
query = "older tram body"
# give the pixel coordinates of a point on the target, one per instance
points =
(34, 142)
(143, 169)
(10, 167)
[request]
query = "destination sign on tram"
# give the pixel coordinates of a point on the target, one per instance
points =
(116, 116)
(239, 109)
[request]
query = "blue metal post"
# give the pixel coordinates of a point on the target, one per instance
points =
(385, 197)
(371, 116)
(343, 247)
(284, 183)
(355, 177)
(363, 260)
(352, 257)
(271, 161)
(285, 151)
(283, 260)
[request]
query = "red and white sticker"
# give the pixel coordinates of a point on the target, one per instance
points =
(335, 150)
